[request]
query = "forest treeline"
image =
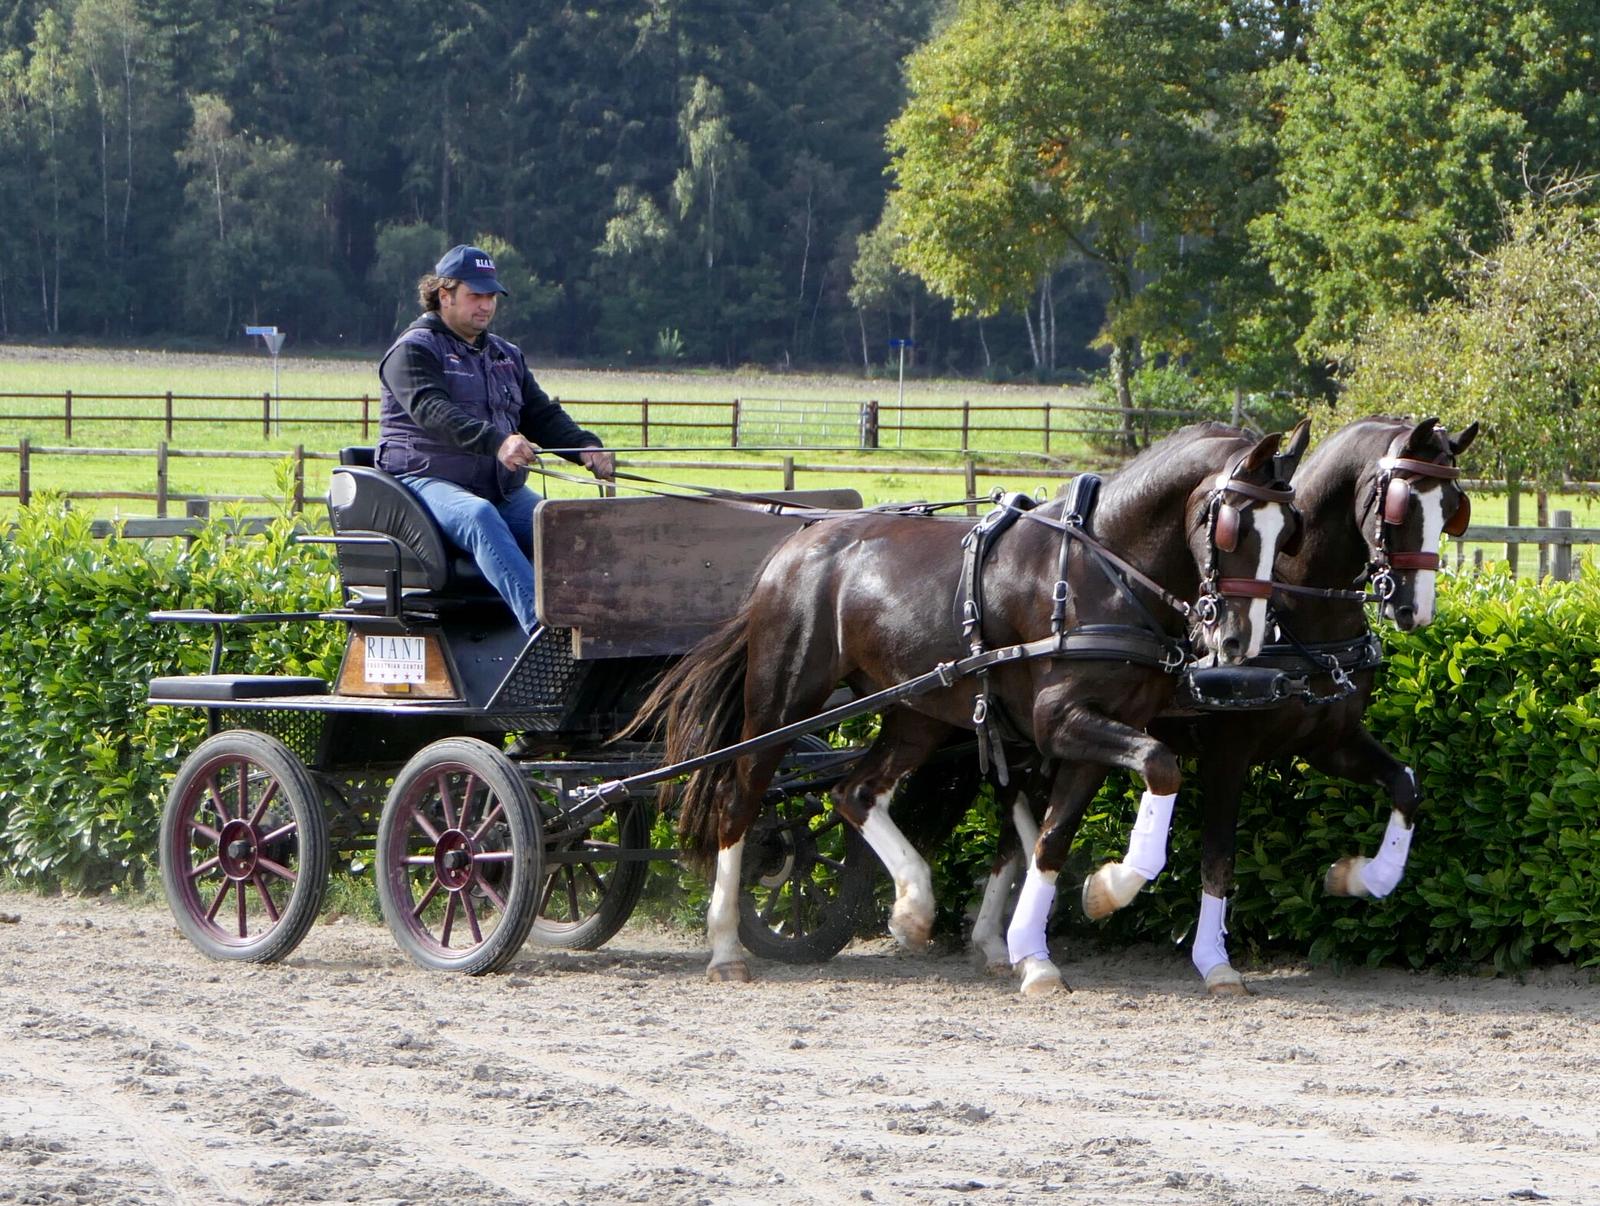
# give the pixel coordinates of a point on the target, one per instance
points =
(1239, 186)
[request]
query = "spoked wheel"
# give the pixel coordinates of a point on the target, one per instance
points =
(584, 902)
(244, 848)
(807, 880)
(460, 858)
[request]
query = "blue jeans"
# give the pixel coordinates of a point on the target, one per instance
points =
(498, 535)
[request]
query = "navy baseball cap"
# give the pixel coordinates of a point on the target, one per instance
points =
(472, 266)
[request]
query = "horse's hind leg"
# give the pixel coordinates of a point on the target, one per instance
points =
(904, 742)
(1019, 833)
(1363, 760)
(736, 812)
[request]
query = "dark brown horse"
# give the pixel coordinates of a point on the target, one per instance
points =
(867, 600)
(1376, 497)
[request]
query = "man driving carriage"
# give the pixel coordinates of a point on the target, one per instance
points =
(462, 418)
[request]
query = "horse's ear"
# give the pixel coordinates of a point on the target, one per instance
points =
(1287, 461)
(1463, 440)
(1423, 442)
(1261, 455)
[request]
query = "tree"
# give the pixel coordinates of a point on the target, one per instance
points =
(1404, 128)
(1039, 131)
(1518, 349)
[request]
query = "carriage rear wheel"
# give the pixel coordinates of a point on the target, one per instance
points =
(808, 876)
(244, 848)
(460, 858)
(583, 902)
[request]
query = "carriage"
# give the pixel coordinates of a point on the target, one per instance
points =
(452, 751)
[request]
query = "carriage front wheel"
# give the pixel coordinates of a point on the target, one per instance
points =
(460, 858)
(244, 848)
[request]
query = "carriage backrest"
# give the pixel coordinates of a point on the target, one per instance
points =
(362, 498)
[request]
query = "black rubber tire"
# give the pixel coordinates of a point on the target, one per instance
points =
(437, 867)
(252, 813)
(582, 905)
(808, 876)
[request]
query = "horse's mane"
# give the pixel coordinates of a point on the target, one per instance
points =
(1172, 459)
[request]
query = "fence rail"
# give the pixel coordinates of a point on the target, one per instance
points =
(642, 421)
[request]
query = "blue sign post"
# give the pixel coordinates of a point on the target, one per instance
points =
(900, 405)
(273, 338)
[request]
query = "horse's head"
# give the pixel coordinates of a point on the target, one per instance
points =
(1239, 521)
(1413, 498)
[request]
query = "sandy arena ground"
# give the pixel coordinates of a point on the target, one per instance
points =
(132, 1070)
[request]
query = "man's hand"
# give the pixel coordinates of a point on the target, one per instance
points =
(601, 462)
(517, 451)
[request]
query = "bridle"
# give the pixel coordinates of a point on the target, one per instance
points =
(1223, 521)
(1391, 499)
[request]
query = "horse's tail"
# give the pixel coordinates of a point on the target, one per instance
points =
(699, 703)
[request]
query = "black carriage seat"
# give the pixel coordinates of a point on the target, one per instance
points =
(433, 571)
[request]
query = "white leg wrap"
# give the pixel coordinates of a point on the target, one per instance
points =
(1380, 875)
(1025, 937)
(1210, 946)
(1147, 847)
(722, 918)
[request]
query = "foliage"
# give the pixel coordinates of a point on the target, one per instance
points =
(83, 759)
(1519, 350)
(1405, 127)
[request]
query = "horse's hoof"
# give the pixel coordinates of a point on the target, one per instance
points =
(737, 972)
(1041, 980)
(1344, 878)
(1108, 889)
(1223, 981)
(914, 934)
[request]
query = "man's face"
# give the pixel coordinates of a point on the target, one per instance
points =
(466, 313)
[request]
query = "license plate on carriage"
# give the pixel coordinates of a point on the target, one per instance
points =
(396, 659)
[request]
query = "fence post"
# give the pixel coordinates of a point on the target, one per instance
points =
(67, 414)
(1513, 515)
(966, 418)
(971, 467)
(1541, 518)
(366, 418)
(869, 435)
(161, 480)
(788, 473)
(24, 489)
(266, 415)
(644, 423)
(168, 413)
(1561, 567)
(299, 478)
(735, 443)
(195, 508)
(1047, 426)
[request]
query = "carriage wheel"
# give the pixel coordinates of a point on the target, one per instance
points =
(807, 878)
(460, 858)
(582, 904)
(244, 848)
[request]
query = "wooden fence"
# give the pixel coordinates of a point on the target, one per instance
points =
(646, 420)
(1560, 545)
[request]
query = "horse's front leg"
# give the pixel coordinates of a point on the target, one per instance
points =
(1363, 760)
(1221, 784)
(904, 742)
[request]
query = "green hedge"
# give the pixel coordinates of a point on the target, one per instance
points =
(83, 761)
(1496, 705)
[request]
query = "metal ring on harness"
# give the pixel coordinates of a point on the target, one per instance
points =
(1383, 584)
(1207, 610)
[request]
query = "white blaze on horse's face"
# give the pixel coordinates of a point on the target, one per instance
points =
(1271, 523)
(1418, 611)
